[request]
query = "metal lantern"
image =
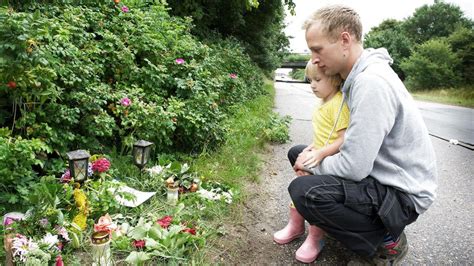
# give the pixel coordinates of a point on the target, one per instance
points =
(78, 164)
(141, 153)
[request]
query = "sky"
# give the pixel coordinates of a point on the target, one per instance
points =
(372, 13)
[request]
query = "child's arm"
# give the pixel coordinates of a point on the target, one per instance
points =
(314, 156)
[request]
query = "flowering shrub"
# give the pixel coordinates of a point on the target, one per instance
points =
(137, 73)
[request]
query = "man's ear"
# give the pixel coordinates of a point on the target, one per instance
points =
(345, 39)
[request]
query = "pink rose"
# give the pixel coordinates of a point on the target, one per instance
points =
(179, 61)
(125, 101)
(233, 75)
(125, 9)
(101, 165)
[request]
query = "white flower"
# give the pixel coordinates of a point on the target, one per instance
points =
(155, 170)
(227, 196)
(215, 194)
(22, 246)
(49, 240)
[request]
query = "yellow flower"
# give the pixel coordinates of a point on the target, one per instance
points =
(81, 203)
(81, 220)
(81, 200)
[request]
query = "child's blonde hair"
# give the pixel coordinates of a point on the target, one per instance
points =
(310, 71)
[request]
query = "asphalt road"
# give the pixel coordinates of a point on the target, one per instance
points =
(442, 235)
(449, 122)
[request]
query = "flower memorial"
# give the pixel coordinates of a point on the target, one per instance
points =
(51, 233)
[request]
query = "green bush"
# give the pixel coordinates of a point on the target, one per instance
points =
(277, 128)
(298, 74)
(431, 65)
(462, 42)
(99, 77)
(18, 158)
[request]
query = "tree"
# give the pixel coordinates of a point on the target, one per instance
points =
(259, 28)
(437, 20)
(432, 65)
(389, 34)
(462, 42)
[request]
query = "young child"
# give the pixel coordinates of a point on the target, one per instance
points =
(330, 121)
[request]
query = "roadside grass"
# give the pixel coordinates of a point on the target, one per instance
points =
(238, 162)
(454, 96)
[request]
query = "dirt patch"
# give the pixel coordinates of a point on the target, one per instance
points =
(249, 239)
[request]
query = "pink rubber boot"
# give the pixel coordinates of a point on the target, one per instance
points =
(293, 230)
(312, 246)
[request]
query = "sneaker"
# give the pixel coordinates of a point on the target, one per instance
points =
(385, 256)
(392, 256)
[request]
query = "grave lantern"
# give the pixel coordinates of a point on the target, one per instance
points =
(141, 153)
(78, 164)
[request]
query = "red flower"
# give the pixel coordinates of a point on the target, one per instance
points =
(192, 231)
(59, 261)
(165, 221)
(138, 243)
(11, 84)
(101, 165)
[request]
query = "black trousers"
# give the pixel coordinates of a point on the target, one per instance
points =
(358, 214)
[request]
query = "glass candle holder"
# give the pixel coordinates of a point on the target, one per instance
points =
(172, 194)
(101, 255)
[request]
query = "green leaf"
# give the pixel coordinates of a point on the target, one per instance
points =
(138, 233)
(156, 232)
(137, 258)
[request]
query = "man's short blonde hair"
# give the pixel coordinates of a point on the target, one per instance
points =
(336, 19)
(310, 71)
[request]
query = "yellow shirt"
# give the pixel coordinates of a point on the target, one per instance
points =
(324, 117)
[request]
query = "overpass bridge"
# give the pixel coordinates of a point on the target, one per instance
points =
(300, 65)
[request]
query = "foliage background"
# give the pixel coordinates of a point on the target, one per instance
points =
(432, 49)
(65, 66)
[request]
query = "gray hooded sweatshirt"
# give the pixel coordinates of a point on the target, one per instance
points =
(386, 138)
